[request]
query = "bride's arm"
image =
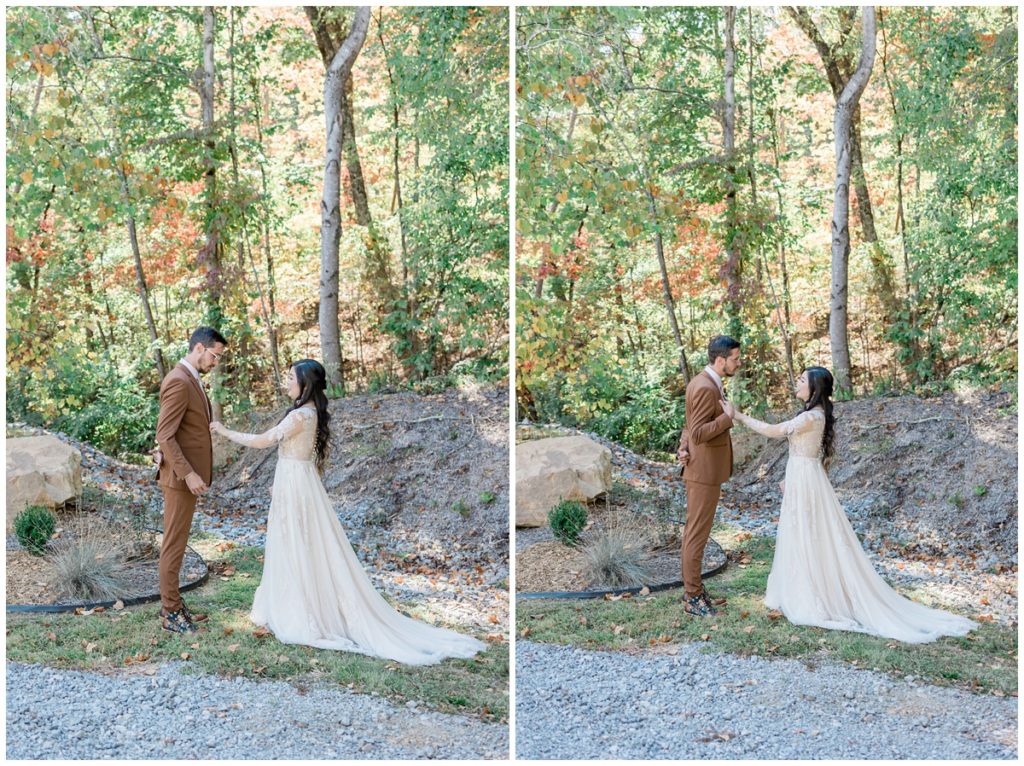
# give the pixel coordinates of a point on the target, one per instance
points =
(776, 430)
(288, 427)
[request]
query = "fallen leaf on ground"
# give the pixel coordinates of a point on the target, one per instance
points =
(185, 656)
(524, 632)
(233, 647)
(493, 619)
(262, 633)
(774, 614)
(118, 605)
(644, 591)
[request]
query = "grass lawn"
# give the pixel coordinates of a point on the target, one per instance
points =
(985, 661)
(131, 639)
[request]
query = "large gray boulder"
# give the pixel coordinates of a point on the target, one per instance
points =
(562, 468)
(41, 470)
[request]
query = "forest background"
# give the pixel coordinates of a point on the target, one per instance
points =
(166, 168)
(676, 177)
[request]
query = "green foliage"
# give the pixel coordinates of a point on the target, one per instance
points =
(461, 507)
(97, 403)
(34, 526)
(487, 497)
(616, 149)
(567, 520)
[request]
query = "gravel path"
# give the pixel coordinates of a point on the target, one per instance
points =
(576, 704)
(171, 715)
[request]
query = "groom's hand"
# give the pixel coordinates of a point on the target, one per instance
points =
(195, 484)
(683, 454)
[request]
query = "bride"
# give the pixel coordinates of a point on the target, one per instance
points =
(821, 575)
(314, 591)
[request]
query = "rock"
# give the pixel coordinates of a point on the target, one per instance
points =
(560, 468)
(41, 470)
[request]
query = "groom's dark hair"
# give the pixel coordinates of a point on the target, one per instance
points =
(721, 346)
(205, 335)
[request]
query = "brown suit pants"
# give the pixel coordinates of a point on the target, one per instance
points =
(179, 506)
(701, 501)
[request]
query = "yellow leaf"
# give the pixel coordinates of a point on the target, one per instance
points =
(26, 177)
(562, 196)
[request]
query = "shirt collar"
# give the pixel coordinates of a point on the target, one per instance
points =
(714, 376)
(191, 369)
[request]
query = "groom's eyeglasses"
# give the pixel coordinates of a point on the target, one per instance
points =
(215, 355)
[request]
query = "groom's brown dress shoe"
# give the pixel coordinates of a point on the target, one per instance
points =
(176, 622)
(709, 602)
(192, 617)
(696, 606)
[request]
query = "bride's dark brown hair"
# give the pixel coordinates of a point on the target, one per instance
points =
(312, 379)
(820, 383)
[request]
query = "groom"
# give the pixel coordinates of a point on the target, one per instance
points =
(705, 450)
(184, 465)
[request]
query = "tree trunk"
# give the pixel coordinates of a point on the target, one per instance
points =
(732, 255)
(210, 256)
(845, 106)
(409, 288)
(670, 304)
(267, 251)
(839, 67)
(330, 205)
(140, 277)
(212, 249)
(357, 185)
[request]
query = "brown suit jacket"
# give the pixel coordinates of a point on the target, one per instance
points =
(706, 433)
(183, 430)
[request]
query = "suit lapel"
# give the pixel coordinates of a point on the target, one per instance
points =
(198, 386)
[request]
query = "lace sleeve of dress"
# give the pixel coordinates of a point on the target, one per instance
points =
(787, 428)
(288, 427)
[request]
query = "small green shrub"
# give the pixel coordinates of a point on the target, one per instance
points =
(980, 490)
(486, 498)
(567, 520)
(34, 526)
(461, 508)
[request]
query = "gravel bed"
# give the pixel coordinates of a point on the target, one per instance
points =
(576, 704)
(170, 715)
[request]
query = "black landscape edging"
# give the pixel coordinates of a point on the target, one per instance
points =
(57, 608)
(585, 594)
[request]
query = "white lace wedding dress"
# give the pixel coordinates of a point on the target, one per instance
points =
(821, 575)
(314, 590)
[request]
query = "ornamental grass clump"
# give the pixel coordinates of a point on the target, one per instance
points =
(88, 562)
(617, 555)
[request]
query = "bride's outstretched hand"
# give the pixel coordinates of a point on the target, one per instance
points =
(729, 409)
(216, 427)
